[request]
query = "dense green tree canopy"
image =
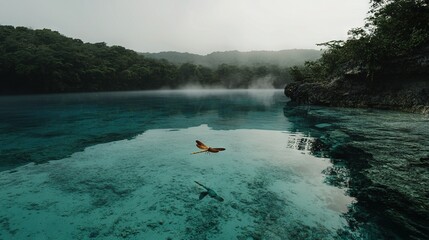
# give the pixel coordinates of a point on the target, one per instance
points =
(44, 61)
(394, 30)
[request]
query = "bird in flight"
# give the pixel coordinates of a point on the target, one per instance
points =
(206, 149)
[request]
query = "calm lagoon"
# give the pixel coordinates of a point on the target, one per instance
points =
(119, 165)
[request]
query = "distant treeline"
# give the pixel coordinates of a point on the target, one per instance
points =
(44, 61)
(283, 58)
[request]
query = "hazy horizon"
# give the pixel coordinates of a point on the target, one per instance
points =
(223, 51)
(199, 27)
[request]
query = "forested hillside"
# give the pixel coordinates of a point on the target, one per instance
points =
(284, 58)
(383, 64)
(394, 40)
(36, 61)
(44, 61)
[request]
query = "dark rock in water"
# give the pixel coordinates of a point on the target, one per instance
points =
(153, 225)
(423, 162)
(402, 212)
(394, 206)
(381, 159)
(94, 234)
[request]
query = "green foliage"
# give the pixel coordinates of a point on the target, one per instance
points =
(36, 61)
(44, 61)
(394, 29)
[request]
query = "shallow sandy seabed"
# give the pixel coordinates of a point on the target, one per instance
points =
(143, 188)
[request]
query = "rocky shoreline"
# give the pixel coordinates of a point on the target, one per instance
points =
(401, 84)
(381, 157)
(409, 96)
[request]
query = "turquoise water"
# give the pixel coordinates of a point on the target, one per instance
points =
(119, 166)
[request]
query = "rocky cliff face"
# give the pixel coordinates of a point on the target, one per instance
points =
(403, 84)
(412, 96)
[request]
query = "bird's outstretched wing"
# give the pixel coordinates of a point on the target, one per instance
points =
(201, 145)
(215, 150)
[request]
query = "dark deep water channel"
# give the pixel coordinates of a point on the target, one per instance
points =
(118, 165)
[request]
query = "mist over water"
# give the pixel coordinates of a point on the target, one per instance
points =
(266, 82)
(192, 86)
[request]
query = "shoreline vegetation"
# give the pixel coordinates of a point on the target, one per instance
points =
(384, 64)
(44, 61)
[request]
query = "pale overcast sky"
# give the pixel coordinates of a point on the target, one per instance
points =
(196, 26)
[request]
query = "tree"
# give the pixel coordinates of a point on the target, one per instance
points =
(394, 29)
